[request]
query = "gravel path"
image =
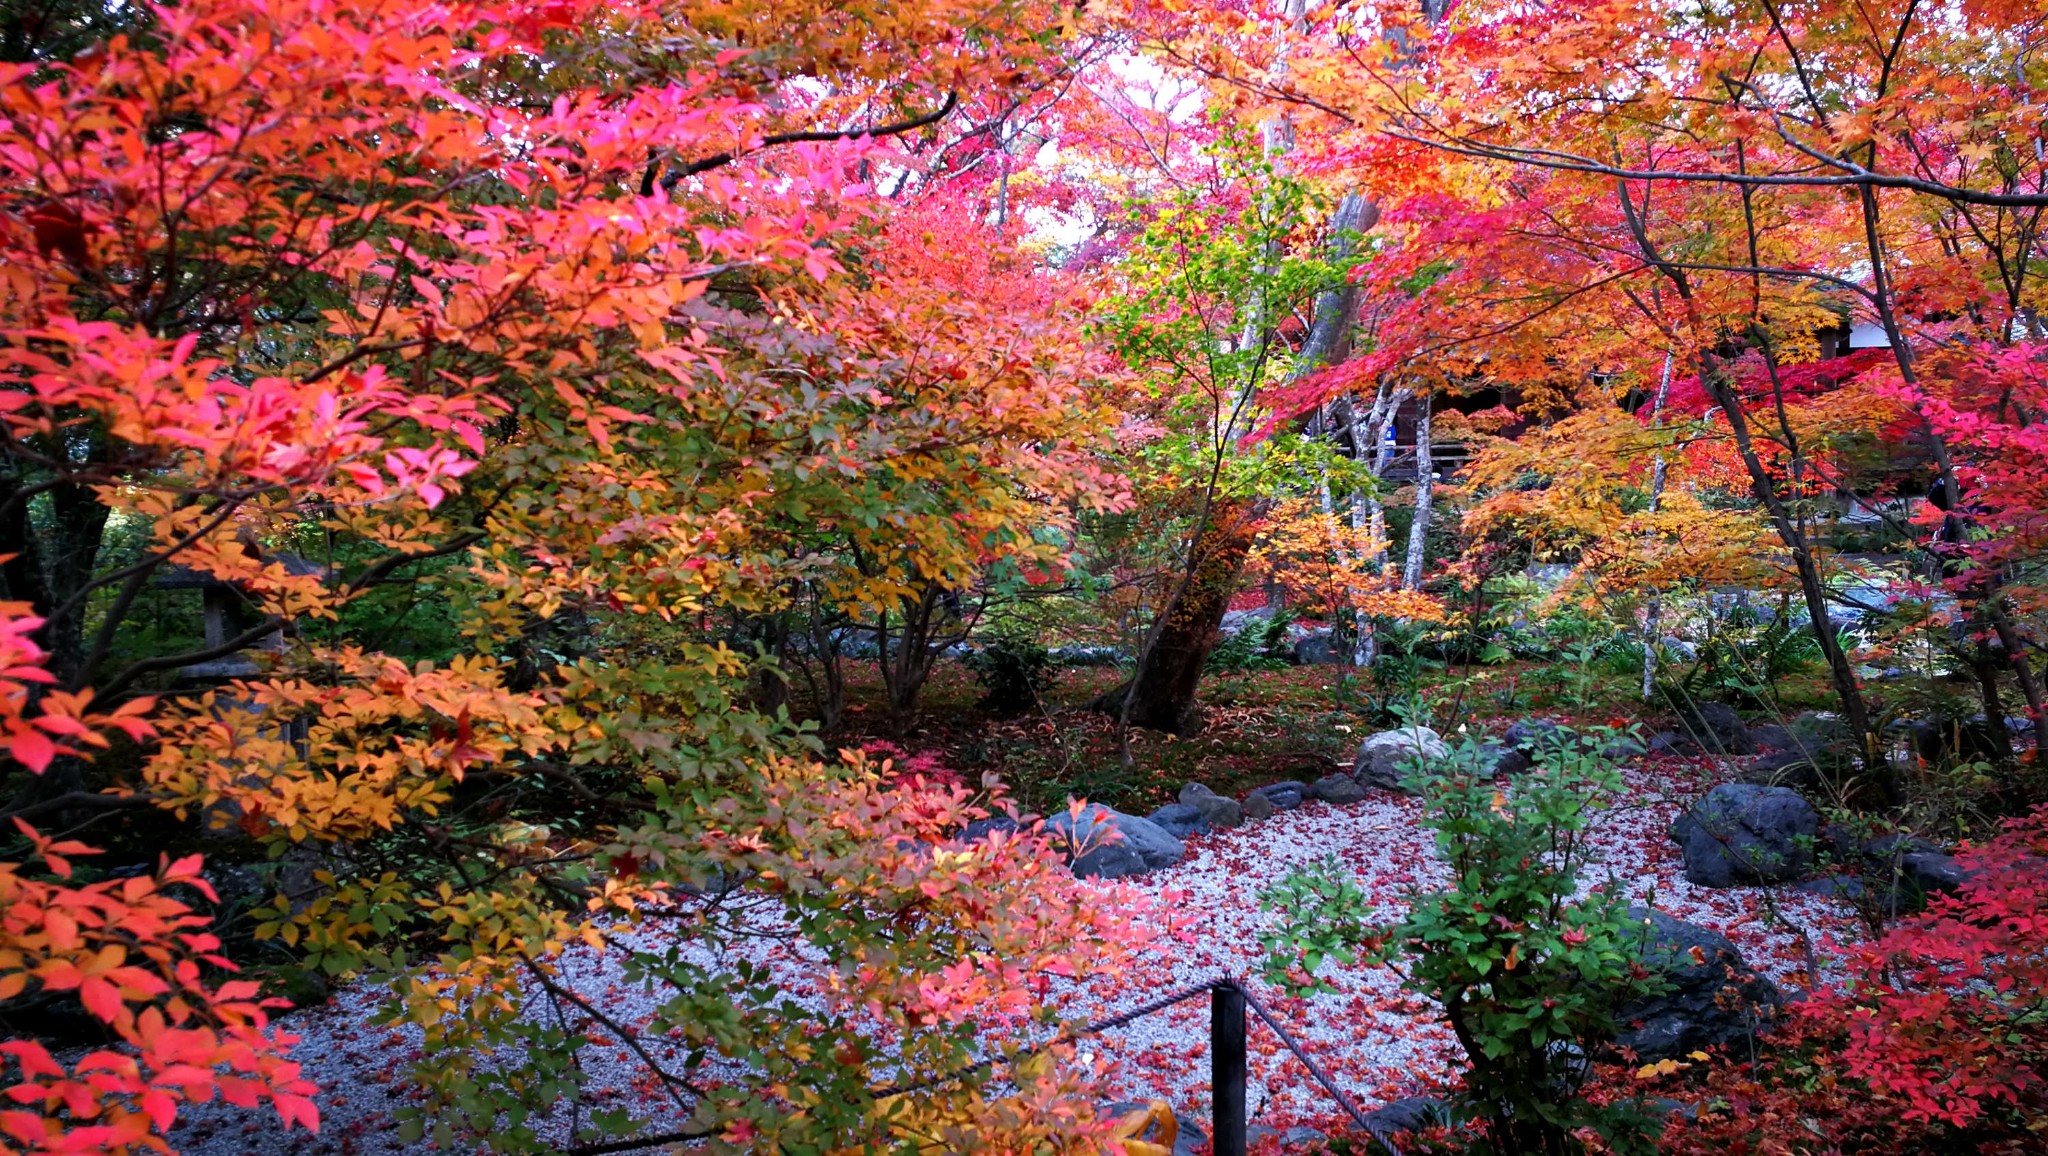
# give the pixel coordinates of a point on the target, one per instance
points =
(1378, 1042)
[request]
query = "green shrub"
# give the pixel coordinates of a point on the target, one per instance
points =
(1528, 972)
(1744, 660)
(1014, 671)
(1261, 645)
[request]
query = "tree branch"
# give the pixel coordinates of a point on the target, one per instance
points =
(720, 160)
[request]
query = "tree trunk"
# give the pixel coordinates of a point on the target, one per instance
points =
(1854, 711)
(830, 698)
(768, 682)
(1658, 470)
(908, 663)
(2016, 655)
(1162, 690)
(1329, 334)
(1425, 479)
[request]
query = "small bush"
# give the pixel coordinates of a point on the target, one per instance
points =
(1261, 645)
(1744, 661)
(1013, 671)
(1528, 972)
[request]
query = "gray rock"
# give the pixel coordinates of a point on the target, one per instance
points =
(1715, 728)
(1882, 850)
(1673, 743)
(1783, 768)
(1087, 655)
(1410, 1114)
(1219, 813)
(1678, 649)
(299, 873)
(1318, 649)
(1189, 1137)
(1292, 1140)
(1520, 746)
(1111, 845)
(235, 886)
(1743, 833)
(1624, 748)
(1930, 871)
(1840, 843)
(1772, 737)
(1181, 820)
(1847, 888)
(1506, 762)
(1667, 1107)
(982, 828)
(1818, 728)
(1909, 867)
(1384, 759)
(1235, 621)
(1285, 795)
(1712, 996)
(1939, 740)
(1337, 788)
(1257, 807)
(1530, 735)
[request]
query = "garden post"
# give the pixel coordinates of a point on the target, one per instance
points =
(1226, 1067)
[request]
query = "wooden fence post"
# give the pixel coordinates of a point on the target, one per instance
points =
(1227, 1067)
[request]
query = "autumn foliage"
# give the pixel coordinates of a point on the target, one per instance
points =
(439, 436)
(586, 319)
(1934, 1041)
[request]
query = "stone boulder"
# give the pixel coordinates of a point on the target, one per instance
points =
(1296, 1139)
(1517, 750)
(1285, 795)
(1318, 649)
(1783, 767)
(1088, 655)
(1743, 833)
(1505, 762)
(982, 828)
(1624, 749)
(1531, 734)
(1883, 849)
(1384, 759)
(1257, 807)
(1714, 728)
(1815, 745)
(1111, 845)
(1847, 888)
(1337, 788)
(1219, 813)
(1928, 872)
(1409, 1114)
(1673, 743)
(1942, 739)
(1900, 869)
(1772, 737)
(1181, 820)
(1711, 997)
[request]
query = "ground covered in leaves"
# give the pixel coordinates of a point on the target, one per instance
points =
(1380, 1043)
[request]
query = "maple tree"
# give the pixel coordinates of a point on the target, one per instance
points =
(1207, 285)
(1576, 203)
(584, 321)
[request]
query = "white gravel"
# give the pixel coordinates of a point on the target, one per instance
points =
(1378, 1042)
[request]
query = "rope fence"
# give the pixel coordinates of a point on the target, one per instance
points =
(1228, 1001)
